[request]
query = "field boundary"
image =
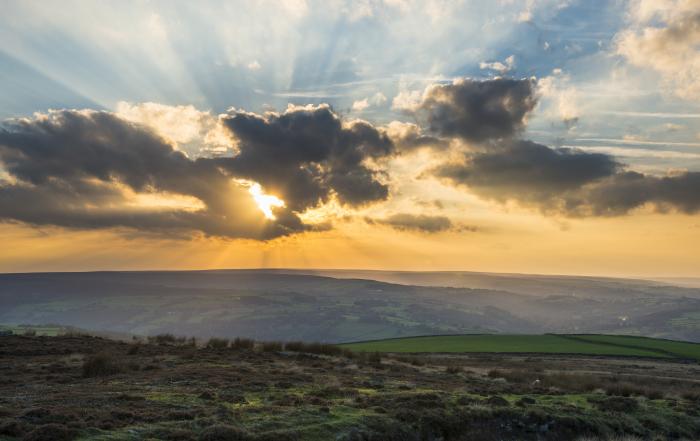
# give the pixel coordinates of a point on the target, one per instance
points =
(581, 337)
(534, 335)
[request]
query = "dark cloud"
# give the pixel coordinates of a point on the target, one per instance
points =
(528, 169)
(490, 114)
(306, 154)
(81, 169)
(478, 111)
(628, 190)
(408, 137)
(568, 181)
(413, 222)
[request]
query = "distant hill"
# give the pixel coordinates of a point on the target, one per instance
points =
(291, 304)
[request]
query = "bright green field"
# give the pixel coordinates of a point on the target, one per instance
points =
(548, 344)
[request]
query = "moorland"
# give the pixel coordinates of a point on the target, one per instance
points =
(79, 387)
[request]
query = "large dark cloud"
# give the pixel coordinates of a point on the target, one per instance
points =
(81, 168)
(307, 154)
(528, 169)
(567, 181)
(478, 111)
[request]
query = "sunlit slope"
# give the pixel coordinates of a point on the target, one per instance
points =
(546, 344)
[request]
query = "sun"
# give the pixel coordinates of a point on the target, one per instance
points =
(264, 201)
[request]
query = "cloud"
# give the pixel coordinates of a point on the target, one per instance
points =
(527, 171)
(408, 136)
(567, 181)
(412, 222)
(407, 100)
(360, 105)
(559, 98)
(496, 165)
(501, 67)
(664, 36)
(307, 154)
(195, 132)
(376, 100)
(478, 111)
(89, 169)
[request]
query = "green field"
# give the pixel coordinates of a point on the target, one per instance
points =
(610, 345)
(47, 330)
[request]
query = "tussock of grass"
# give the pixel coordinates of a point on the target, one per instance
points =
(218, 343)
(101, 365)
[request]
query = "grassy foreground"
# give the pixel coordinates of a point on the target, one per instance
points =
(611, 345)
(74, 387)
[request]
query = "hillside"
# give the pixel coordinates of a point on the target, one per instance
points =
(280, 305)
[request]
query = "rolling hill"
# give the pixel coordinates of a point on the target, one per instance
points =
(288, 305)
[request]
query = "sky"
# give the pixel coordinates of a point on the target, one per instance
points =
(533, 136)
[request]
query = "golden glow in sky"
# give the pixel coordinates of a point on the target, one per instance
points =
(504, 140)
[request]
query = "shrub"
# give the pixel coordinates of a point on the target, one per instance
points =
(100, 365)
(620, 389)
(453, 369)
(294, 346)
(272, 346)
(374, 358)
(223, 432)
(315, 348)
(217, 343)
(617, 404)
(51, 432)
(133, 349)
(242, 343)
(12, 428)
(162, 339)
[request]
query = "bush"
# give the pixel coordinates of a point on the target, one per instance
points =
(242, 343)
(617, 404)
(100, 365)
(217, 343)
(272, 346)
(51, 432)
(453, 369)
(223, 432)
(315, 348)
(133, 349)
(162, 339)
(374, 358)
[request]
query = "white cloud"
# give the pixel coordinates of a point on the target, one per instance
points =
(193, 131)
(664, 35)
(559, 97)
(376, 100)
(254, 65)
(359, 106)
(501, 67)
(407, 100)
